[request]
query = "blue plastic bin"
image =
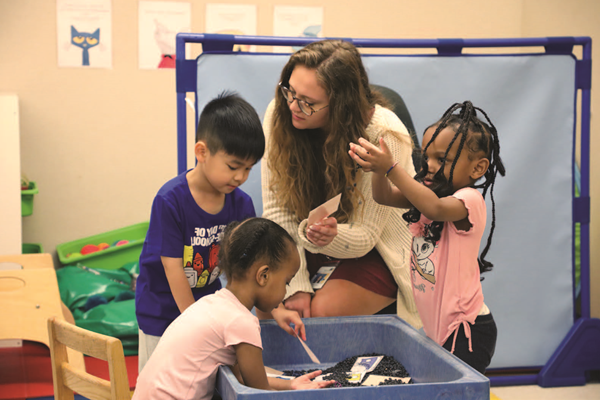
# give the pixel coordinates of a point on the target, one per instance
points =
(436, 373)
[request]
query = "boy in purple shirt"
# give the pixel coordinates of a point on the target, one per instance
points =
(178, 263)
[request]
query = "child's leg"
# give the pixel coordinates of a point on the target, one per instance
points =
(146, 346)
(483, 342)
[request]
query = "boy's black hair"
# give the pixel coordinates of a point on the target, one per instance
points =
(230, 123)
(477, 136)
(251, 240)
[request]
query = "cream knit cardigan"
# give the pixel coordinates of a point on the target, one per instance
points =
(378, 226)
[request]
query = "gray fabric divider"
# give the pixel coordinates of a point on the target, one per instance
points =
(531, 101)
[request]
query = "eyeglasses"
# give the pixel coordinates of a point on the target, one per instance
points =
(305, 107)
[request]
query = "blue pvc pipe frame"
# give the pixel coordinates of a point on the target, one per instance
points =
(215, 43)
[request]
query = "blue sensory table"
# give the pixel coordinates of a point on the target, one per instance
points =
(436, 373)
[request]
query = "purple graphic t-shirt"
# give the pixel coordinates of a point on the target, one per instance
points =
(179, 228)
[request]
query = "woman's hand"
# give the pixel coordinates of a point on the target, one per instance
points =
(299, 302)
(285, 317)
(323, 232)
(371, 158)
(306, 382)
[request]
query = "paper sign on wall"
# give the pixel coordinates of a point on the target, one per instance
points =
(84, 33)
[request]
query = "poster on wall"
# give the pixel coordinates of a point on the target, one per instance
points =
(297, 22)
(84, 33)
(232, 19)
(159, 23)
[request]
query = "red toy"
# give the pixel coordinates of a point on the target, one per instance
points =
(89, 248)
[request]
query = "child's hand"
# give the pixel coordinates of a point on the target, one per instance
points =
(306, 382)
(285, 317)
(370, 158)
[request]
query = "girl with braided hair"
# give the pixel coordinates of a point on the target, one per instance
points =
(447, 216)
(259, 259)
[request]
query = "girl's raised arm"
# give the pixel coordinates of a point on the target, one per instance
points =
(383, 192)
(386, 194)
(381, 163)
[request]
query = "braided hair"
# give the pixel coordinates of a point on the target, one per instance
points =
(252, 240)
(478, 136)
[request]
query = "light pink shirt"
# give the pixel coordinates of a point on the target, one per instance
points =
(445, 277)
(185, 362)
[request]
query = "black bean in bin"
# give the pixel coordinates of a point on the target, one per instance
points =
(385, 371)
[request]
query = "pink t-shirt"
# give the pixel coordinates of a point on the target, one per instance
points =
(445, 276)
(185, 362)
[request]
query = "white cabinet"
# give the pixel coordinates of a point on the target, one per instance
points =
(10, 176)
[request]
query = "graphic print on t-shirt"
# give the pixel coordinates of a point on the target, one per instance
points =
(190, 273)
(200, 259)
(420, 261)
(213, 261)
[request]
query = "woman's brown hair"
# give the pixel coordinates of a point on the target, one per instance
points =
(311, 166)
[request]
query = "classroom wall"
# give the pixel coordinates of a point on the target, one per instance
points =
(99, 143)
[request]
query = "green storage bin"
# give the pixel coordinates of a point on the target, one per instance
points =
(113, 257)
(27, 199)
(32, 248)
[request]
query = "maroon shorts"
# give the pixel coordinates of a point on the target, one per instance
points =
(369, 271)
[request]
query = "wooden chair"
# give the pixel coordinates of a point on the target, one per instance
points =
(68, 378)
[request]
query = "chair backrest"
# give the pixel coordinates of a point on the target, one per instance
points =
(68, 378)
